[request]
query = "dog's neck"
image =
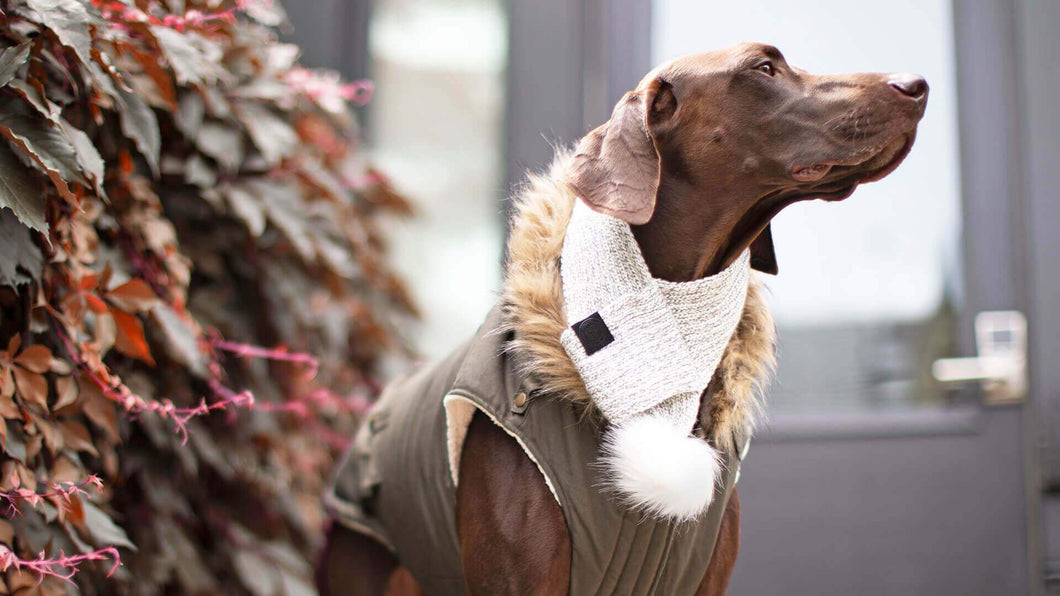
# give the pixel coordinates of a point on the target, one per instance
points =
(698, 230)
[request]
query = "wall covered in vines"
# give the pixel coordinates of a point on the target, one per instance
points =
(193, 296)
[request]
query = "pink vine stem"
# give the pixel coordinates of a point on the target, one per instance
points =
(134, 404)
(279, 353)
(60, 490)
(120, 14)
(63, 567)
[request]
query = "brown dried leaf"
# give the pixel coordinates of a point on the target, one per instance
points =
(53, 434)
(66, 388)
(8, 408)
(76, 436)
(33, 388)
(65, 470)
(7, 382)
(33, 446)
(105, 330)
(60, 366)
(36, 358)
(7, 533)
(8, 476)
(100, 410)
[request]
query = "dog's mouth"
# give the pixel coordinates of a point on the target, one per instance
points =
(837, 179)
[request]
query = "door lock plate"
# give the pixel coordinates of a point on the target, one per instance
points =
(1000, 367)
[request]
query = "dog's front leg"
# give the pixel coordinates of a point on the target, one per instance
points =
(513, 537)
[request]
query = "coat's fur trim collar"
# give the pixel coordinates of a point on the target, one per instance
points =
(533, 296)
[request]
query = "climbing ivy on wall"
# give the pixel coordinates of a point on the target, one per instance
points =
(193, 296)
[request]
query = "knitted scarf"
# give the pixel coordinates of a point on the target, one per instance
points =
(646, 350)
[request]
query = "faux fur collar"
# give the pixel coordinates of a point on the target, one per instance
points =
(533, 297)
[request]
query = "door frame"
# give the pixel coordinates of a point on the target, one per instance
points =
(1036, 54)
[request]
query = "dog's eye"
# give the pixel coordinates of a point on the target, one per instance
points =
(766, 67)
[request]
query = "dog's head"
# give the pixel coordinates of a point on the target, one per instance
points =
(734, 136)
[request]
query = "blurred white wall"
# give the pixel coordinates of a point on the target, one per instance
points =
(886, 253)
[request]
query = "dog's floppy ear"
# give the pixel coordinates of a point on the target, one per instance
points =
(615, 169)
(763, 256)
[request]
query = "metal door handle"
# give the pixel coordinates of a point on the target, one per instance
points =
(1001, 366)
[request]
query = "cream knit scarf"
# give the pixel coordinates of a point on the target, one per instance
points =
(646, 350)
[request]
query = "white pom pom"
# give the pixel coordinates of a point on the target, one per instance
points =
(657, 469)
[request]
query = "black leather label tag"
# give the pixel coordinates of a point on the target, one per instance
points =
(593, 333)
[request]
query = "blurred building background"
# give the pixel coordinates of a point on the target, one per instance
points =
(869, 476)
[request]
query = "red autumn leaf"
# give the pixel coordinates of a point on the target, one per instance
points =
(95, 303)
(32, 387)
(36, 358)
(75, 512)
(125, 163)
(158, 76)
(130, 338)
(88, 282)
(133, 296)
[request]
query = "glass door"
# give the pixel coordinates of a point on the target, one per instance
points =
(869, 476)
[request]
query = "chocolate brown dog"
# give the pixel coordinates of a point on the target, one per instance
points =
(698, 159)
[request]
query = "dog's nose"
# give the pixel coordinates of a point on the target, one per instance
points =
(910, 85)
